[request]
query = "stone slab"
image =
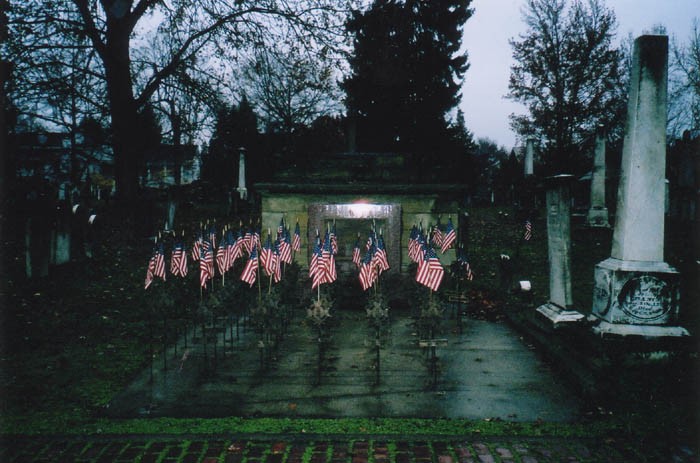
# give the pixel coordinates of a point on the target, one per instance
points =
(559, 316)
(604, 329)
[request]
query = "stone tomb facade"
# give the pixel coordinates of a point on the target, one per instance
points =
(354, 208)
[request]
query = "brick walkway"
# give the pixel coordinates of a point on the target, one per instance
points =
(200, 449)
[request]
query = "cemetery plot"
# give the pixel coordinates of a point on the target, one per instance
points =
(485, 371)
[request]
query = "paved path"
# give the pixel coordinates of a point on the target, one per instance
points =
(271, 449)
(485, 370)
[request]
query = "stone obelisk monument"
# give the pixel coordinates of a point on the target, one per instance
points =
(598, 213)
(559, 308)
(636, 292)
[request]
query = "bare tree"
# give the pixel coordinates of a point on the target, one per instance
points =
(290, 87)
(684, 94)
(209, 33)
(570, 78)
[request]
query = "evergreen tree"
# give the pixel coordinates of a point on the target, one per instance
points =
(406, 72)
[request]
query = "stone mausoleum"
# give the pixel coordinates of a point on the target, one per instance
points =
(357, 190)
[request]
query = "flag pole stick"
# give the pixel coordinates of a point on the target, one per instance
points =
(259, 284)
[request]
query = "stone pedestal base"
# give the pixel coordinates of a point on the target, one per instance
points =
(598, 217)
(636, 298)
(604, 329)
(559, 315)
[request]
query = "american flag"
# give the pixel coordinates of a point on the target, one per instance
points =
(296, 242)
(248, 239)
(178, 260)
(257, 236)
(430, 271)
(280, 228)
(368, 273)
(528, 230)
(238, 246)
(449, 238)
(156, 265)
(316, 270)
(221, 257)
(250, 271)
(413, 243)
(285, 247)
(266, 256)
(276, 263)
(206, 264)
(149, 272)
(329, 269)
(334, 240)
(416, 246)
(212, 236)
(370, 240)
(196, 246)
(380, 259)
(464, 263)
(356, 257)
(436, 236)
(230, 249)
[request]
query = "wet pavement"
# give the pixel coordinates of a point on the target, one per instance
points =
(481, 370)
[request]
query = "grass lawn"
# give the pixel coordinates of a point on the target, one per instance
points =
(73, 340)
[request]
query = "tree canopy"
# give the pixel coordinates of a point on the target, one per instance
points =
(406, 73)
(570, 77)
(126, 51)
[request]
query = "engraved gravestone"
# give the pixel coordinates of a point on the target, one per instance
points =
(636, 292)
(598, 213)
(559, 307)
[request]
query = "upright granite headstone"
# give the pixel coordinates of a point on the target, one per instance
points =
(636, 292)
(598, 213)
(559, 308)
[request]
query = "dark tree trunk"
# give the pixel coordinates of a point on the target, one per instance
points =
(124, 110)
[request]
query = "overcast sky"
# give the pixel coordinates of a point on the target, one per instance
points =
(494, 22)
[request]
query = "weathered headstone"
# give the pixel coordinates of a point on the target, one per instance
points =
(170, 216)
(559, 308)
(242, 190)
(529, 156)
(598, 213)
(636, 292)
(60, 241)
(37, 243)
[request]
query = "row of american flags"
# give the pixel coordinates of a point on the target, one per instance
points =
(218, 252)
(370, 260)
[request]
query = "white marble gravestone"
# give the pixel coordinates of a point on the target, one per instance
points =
(559, 308)
(636, 292)
(241, 189)
(529, 157)
(598, 213)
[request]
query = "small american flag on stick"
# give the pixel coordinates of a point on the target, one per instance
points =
(430, 271)
(528, 230)
(250, 271)
(449, 237)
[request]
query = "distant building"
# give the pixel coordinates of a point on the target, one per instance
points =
(170, 165)
(51, 158)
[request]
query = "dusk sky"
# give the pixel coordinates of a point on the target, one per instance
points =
(494, 22)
